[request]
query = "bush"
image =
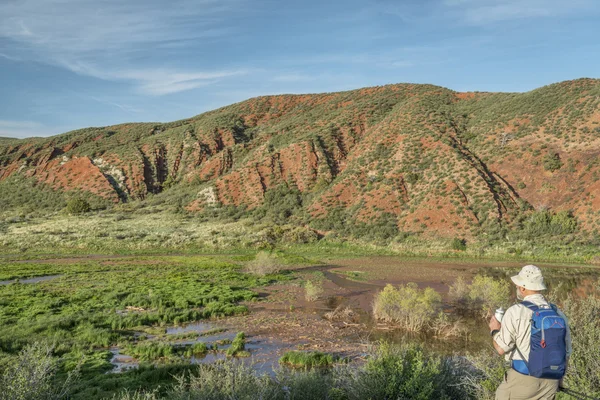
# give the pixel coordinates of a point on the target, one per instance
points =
(223, 381)
(279, 204)
(313, 290)
(414, 309)
(546, 223)
(459, 293)
(409, 373)
(552, 162)
(78, 205)
(390, 373)
(484, 375)
(458, 244)
(265, 263)
(31, 376)
(482, 296)
(486, 294)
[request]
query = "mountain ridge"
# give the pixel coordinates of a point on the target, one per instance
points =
(428, 158)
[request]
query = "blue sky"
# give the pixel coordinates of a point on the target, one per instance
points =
(67, 64)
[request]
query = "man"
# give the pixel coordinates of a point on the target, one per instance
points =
(534, 337)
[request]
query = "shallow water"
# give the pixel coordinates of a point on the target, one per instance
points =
(358, 295)
(199, 327)
(37, 279)
(265, 352)
(121, 362)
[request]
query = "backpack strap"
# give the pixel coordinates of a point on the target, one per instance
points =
(530, 305)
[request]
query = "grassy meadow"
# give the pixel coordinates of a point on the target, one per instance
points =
(152, 230)
(91, 306)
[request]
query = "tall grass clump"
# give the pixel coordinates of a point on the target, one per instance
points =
(412, 308)
(303, 359)
(265, 263)
(238, 346)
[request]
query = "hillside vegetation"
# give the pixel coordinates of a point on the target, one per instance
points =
(378, 162)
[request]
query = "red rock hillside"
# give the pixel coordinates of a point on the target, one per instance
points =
(441, 162)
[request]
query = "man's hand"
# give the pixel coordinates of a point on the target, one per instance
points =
(494, 324)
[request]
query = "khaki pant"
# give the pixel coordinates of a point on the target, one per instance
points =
(517, 386)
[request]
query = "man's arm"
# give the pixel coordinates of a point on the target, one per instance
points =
(496, 326)
(499, 349)
(504, 340)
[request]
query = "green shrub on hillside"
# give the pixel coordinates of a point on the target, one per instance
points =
(19, 192)
(458, 244)
(381, 229)
(546, 223)
(552, 162)
(77, 206)
(279, 204)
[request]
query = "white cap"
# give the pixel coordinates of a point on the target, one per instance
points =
(530, 278)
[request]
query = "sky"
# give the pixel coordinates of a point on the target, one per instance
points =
(69, 64)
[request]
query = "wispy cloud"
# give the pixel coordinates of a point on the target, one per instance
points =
(106, 40)
(153, 81)
(22, 129)
(11, 58)
(479, 12)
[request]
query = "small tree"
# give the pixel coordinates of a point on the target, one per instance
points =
(458, 244)
(77, 205)
(552, 162)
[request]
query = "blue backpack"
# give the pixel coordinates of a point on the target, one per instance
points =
(548, 350)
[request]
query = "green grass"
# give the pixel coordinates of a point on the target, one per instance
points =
(301, 359)
(163, 351)
(238, 346)
(96, 304)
